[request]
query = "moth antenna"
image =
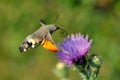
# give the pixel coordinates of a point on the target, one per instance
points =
(56, 18)
(42, 22)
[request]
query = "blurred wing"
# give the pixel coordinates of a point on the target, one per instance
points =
(47, 44)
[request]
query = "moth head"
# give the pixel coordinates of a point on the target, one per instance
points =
(55, 27)
(52, 28)
(25, 45)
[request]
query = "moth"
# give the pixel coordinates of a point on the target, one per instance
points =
(42, 37)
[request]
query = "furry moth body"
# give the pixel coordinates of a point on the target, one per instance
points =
(41, 36)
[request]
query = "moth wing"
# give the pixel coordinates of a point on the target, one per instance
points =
(49, 44)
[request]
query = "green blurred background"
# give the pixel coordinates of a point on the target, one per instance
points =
(100, 19)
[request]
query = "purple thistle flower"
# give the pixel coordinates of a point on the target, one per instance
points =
(74, 48)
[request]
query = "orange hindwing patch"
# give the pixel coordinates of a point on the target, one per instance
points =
(49, 45)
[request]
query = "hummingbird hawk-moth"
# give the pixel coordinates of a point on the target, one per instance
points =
(42, 37)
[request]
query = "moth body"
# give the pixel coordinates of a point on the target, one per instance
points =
(36, 38)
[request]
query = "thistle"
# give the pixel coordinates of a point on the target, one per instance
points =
(74, 51)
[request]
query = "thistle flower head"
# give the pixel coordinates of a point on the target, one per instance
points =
(74, 48)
